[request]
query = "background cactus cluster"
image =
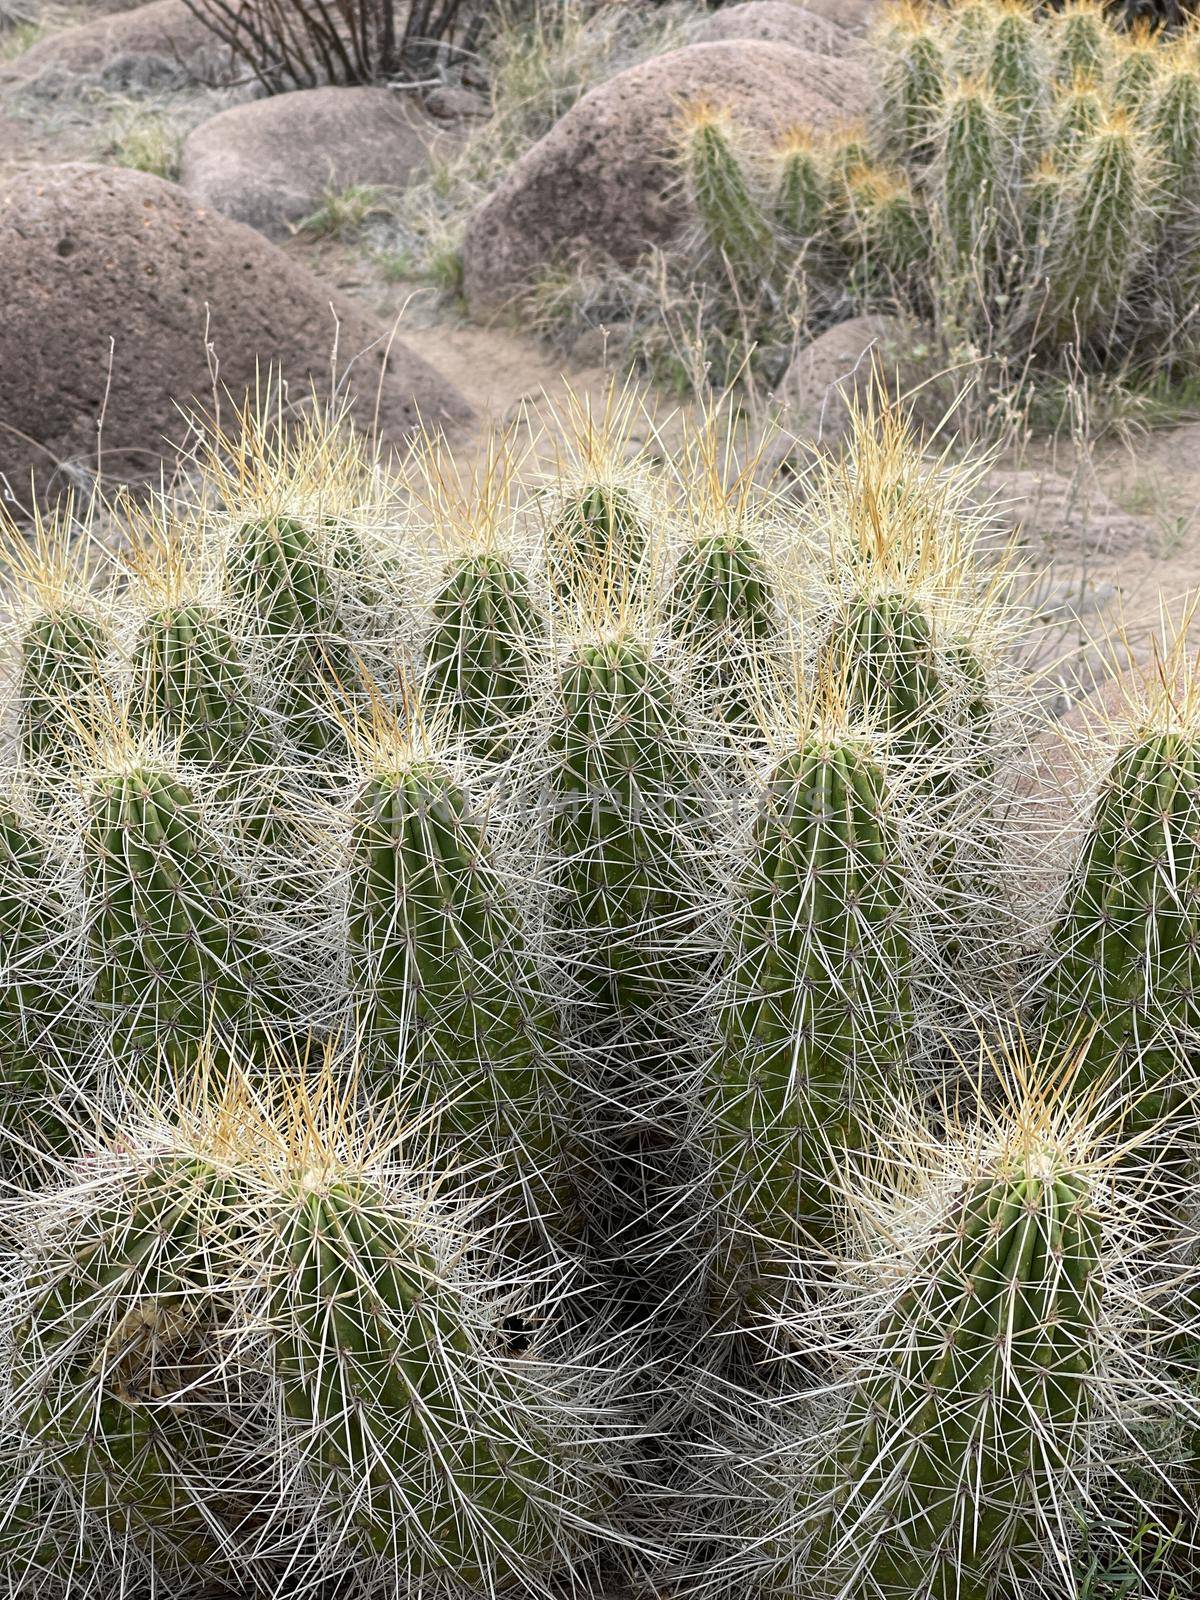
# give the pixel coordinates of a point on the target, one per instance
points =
(551, 1037)
(1027, 187)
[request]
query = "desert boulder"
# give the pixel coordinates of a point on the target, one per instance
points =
(121, 299)
(268, 163)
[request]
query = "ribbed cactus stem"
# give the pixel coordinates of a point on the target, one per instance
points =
(176, 958)
(724, 604)
(884, 651)
(120, 1309)
(63, 653)
(1078, 111)
(412, 1431)
(817, 1009)
(446, 988)
(280, 576)
(970, 36)
(1136, 70)
(1103, 229)
(481, 649)
(800, 192)
(1015, 68)
(968, 160)
(1084, 43)
(734, 224)
(597, 545)
(961, 1439)
(913, 86)
(887, 225)
(38, 998)
(1173, 122)
(193, 689)
(1124, 984)
(624, 807)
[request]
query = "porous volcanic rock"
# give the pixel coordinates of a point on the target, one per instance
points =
(838, 370)
(158, 45)
(106, 268)
(857, 15)
(781, 22)
(604, 180)
(269, 163)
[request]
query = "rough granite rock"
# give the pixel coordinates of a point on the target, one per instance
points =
(781, 22)
(837, 371)
(269, 163)
(857, 15)
(604, 181)
(158, 45)
(90, 255)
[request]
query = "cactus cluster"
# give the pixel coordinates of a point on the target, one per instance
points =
(542, 1046)
(1025, 184)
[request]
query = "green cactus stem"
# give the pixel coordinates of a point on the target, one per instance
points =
(725, 607)
(480, 652)
(817, 1010)
(279, 576)
(111, 1371)
(800, 192)
(625, 808)
(1124, 985)
(192, 687)
(176, 959)
(447, 992)
(61, 686)
(734, 224)
(413, 1432)
(958, 1442)
(597, 547)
